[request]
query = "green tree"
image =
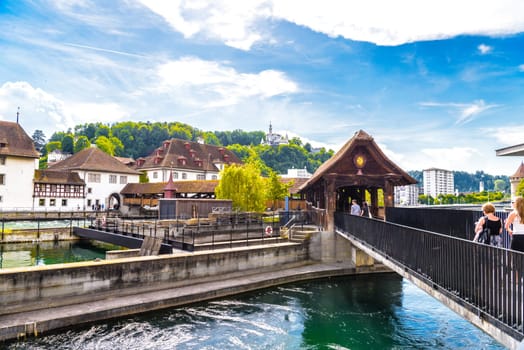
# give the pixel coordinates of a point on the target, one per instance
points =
(103, 130)
(244, 185)
(57, 136)
(241, 152)
(68, 143)
(275, 188)
(118, 147)
(81, 143)
(499, 185)
(52, 145)
(519, 191)
(39, 139)
(211, 139)
(105, 145)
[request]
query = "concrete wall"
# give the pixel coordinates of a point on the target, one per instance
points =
(42, 234)
(328, 246)
(36, 287)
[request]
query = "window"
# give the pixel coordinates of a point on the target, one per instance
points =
(155, 175)
(52, 202)
(175, 175)
(214, 177)
(89, 202)
(2, 160)
(201, 177)
(93, 177)
(64, 202)
(112, 179)
(123, 179)
(1, 199)
(89, 190)
(41, 202)
(184, 176)
(2, 179)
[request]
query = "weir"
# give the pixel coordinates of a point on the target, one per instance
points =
(65, 295)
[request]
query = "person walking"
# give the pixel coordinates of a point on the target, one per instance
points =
(515, 225)
(365, 209)
(355, 208)
(492, 223)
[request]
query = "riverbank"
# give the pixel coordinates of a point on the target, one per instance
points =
(141, 298)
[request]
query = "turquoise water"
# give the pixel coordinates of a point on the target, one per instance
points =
(48, 253)
(361, 312)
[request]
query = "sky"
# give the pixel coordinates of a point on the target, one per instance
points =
(435, 83)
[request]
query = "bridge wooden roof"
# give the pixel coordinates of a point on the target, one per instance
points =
(373, 170)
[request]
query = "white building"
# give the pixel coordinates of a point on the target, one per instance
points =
(296, 174)
(406, 195)
(58, 191)
(57, 155)
(186, 161)
(18, 161)
(104, 177)
(274, 139)
(438, 181)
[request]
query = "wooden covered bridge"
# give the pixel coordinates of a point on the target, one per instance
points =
(357, 171)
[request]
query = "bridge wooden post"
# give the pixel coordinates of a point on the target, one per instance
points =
(331, 200)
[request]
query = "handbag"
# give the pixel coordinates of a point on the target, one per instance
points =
(483, 236)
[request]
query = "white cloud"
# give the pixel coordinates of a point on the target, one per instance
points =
(230, 22)
(509, 135)
(43, 111)
(484, 49)
(377, 21)
(218, 84)
(465, 112)
(452, 158)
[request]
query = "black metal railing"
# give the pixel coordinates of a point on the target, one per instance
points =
(225, 230)
(449, 221)
(484, 279)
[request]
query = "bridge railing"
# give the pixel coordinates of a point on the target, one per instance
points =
(484, 279)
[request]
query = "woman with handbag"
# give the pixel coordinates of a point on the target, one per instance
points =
(490, 225)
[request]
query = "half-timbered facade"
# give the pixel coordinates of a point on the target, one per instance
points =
(104, 177)
(58, 190)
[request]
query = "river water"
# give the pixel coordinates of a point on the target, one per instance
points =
(48, 253)
(359, 312)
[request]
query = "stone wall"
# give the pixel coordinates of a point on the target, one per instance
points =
(24, 289)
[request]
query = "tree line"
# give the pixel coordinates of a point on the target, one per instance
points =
(139, 139)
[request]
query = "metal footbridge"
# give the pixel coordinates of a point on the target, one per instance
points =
(483, 284)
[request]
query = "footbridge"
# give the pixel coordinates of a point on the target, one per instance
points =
(483, 284)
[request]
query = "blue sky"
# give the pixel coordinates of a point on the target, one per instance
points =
(436, 83)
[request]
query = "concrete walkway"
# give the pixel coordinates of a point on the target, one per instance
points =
(136, 300)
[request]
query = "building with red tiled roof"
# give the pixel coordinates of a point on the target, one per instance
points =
(18, 161)
(186, 161)
(104, 176)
